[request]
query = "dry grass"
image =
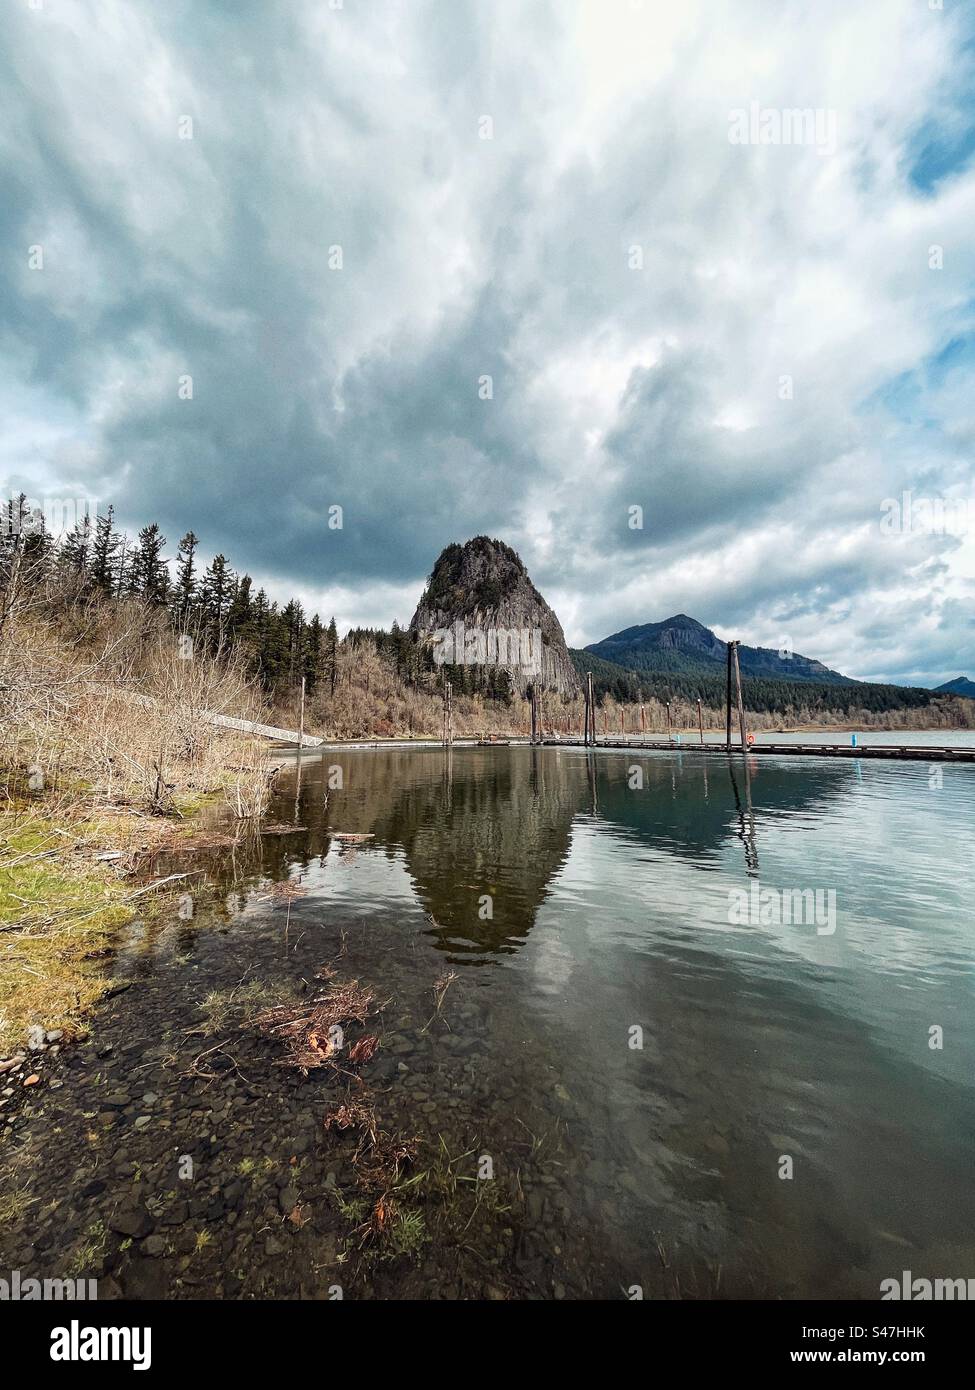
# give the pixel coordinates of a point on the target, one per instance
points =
(440, 987)
(102, 706)
(224, 1008)
(105, 746)
(309, 1031)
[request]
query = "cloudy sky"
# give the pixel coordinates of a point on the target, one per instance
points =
(339, 219)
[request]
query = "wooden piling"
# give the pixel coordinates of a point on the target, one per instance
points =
(700, 721)
(727, 733)
(741, 706)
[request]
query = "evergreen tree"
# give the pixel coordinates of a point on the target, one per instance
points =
(215, 595)
(294, 619)
(75, 548)
(313, 652)
(239, 613)
(184, 590)
(148, 576)
(104, 552)
(330, 663)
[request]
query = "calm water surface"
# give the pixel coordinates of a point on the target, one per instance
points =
(636, 1061)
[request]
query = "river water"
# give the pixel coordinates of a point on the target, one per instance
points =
(643, 1074)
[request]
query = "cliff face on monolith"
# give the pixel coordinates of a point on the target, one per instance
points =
(481, 609)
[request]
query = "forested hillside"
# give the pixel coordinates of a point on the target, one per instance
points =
(379, 682)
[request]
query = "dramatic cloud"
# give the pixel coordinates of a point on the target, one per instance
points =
(508, 267)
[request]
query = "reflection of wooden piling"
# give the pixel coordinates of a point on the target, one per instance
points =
(746, 822)
(741, 706)
(448, 715)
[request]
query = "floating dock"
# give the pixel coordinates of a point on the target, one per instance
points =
(915, 753)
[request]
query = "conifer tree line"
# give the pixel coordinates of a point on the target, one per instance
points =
(218, 607)
(213, 604)
(800, 701)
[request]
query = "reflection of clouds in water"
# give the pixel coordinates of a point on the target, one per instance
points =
(552, 957)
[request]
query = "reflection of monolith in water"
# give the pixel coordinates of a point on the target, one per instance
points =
(482, 833)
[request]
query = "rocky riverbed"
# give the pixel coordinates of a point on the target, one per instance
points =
(127, 1157)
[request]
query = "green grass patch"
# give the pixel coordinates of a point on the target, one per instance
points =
(55, 913)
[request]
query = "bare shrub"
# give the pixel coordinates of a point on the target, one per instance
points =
(103, 698)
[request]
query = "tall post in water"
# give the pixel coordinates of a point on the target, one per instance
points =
(727, 733)
(621, 722)
(531, 697)
(741, 706)
(643, 717)
(301, 726)
(669, 734)
(585, 726)
(591, 703)
(700, 721)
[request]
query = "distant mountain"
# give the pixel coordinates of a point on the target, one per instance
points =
(484, 586)
(681, 646)
(961, 685)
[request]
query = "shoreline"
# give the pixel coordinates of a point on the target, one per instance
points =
(70, 877)
(653, 740)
